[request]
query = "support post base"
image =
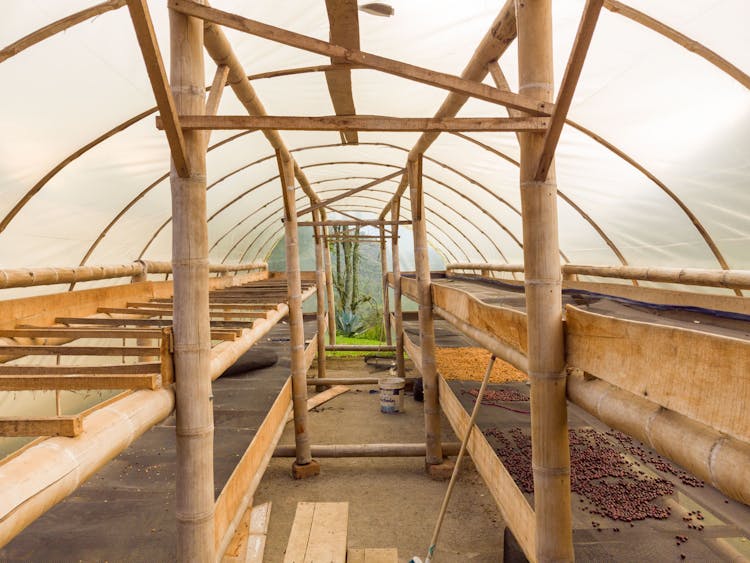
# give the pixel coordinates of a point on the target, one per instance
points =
(440, 471)
(304, 471)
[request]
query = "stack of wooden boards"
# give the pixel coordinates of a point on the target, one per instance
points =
(319, 535)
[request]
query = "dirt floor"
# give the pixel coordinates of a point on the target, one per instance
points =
(392, 503)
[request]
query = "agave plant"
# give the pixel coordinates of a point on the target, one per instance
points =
(349, 323)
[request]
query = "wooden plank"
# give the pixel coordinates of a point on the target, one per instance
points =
(567, 88)
(348, 193)
(350, 223)
(238, 545)
(343, 19)
(503, 323)
(372, 555)
(246, 476)
(222, 313)
(69, 426)
(117, 369)
(166, 357)
(101, 333)
(369, 60)
(141, 322)
(46, 382)
(360, 123)
(259, 521)
(409, 288)
(703, 376)
(77, 351)
(228, 306)
(414, 352)
(144, 31)
(514, 507)
(328, 533)
(299, 537)
(217, 89)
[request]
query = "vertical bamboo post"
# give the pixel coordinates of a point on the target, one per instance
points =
(398, 316)
(384, 275)
(304, 466)
(426, 322)
(549, 426)
(320, 294)
(330, 298)
(192, 338)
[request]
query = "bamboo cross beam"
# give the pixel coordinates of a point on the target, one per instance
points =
(144, 31)
(48, 382)
(570, 79)
(352, 223)
(358, 123)
(348, 193)
(369, 60)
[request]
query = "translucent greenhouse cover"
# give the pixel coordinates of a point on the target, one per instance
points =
(685, 122)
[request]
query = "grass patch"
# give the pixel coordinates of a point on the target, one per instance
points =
(357, 341)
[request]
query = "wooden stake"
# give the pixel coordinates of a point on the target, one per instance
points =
(192, 339)
(426, 322)
(296, 327)
(549, 427)
(398, 324)
(320, 296)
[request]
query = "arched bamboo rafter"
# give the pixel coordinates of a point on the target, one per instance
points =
(379, 200)
(446, 251)
(255, 211)
(464, 196)
(612, 5)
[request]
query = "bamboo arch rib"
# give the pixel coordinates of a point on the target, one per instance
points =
(681, 39)
(273, 237)
(275, 213)
(57, 27)
(270, 216)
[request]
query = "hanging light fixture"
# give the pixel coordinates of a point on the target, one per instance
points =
(377, 9)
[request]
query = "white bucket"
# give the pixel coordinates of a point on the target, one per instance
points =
(392, 394)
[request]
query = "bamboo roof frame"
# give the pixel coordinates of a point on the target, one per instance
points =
(612, 5)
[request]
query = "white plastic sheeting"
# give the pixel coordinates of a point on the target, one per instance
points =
(682, 119)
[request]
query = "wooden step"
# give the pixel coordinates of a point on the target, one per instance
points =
(319, 533)
(372, 555)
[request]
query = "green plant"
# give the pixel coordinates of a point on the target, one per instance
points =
(349, 324)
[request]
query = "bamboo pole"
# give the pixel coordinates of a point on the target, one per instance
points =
(384, 277)
(192, 339)
(365, 450)
(330, 297)
(398, 316)
(296, 326)
(543, 283)
(320, 291)
(426, 322)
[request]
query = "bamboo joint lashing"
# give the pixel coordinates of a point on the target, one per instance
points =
(196, 431)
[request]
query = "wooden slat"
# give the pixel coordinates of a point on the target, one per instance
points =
(567, 88)
(703, 376)
(328, 533)
(299, 537)
(117, 369)
(217, 89)
(514, 507)
(141, 322)
(76, 382)
(166, 357)
(256, 542)
(414, 351)
(350, 223)
(77, 351)
(348, 193)
(223, 306)
(390, 66)
(69, 426)
(372, 555)
(103, 333)
(360, 123)
(222, 313)
(144, 31)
